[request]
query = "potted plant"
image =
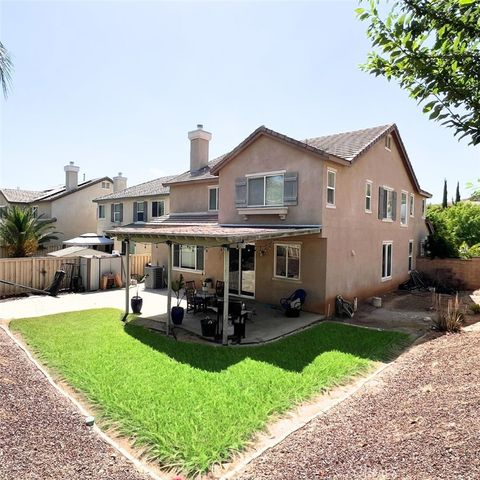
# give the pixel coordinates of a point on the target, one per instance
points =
(136, 302)
(178, 311)
(207, 283)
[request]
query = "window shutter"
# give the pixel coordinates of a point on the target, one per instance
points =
(154, 209)
(241, 192)
(135, 211)
(121, 212)
(145, 211)
(200, 260)
(112, 212)
(290, 188)
(381, 202)
(394, 206)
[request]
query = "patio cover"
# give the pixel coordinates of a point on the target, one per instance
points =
(89, 240)
(209, 235)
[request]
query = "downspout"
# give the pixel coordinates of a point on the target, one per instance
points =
(169, 288)
(226, 288)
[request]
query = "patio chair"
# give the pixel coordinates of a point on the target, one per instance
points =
(190, 284)
(193, 302)
(293, 304)
(219, 288)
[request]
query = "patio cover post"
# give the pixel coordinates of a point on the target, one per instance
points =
(127, 279)
(169, 286)
(226, 288)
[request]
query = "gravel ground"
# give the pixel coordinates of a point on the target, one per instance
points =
(42, 435)
(418, 420)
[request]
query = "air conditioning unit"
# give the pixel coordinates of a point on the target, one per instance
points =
(155, 277)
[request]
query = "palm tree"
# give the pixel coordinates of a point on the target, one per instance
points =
(22, 233)
(5, 69)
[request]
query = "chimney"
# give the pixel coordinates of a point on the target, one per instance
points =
(71, 176)
(119, 183)
(199, 140)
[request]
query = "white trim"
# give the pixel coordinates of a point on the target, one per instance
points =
(388, 142)
(100, 206)
(186, 269)
(334, 188)
(213, 187)
(283, 244)
(368, 182)
(115, 212)
(411, 211)
(412, 256)
(151, 205)
(263, 174)
(385, 259)
(402, 224)
(268, 210)
(424, 207)
(387, 218)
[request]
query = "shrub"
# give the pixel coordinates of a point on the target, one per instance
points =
(475, 308)
(449, 319)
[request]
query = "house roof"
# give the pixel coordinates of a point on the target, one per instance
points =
(208, 235)
(198, 175)
(186, 219)
(153, 187)
(343, 148)
(15, 195)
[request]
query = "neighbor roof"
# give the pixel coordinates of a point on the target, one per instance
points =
(15, 195)
(146, 189)
(198, 175)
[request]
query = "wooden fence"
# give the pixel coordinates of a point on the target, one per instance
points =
(38, 272)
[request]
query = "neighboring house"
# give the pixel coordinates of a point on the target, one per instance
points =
(339, 214)
(71, 204)
(138, 204)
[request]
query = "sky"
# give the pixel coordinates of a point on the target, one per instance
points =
(115, 86)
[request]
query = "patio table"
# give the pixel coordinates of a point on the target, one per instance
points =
(206, 297)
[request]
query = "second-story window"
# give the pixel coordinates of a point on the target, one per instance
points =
(117, 212)
(387, 204)
(106, 185)
(35, 211)
(412, 205)
(331, 184)
(403, 209)
(101, 211)
(368, 196)
(140, 212)
(213, 199)
(158, 208)
(424, 207)
(265, 190)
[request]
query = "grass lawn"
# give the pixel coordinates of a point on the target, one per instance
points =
(191, 405)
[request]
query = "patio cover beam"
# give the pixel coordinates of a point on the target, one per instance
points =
(226, 288)
(127, 280)
(169, 287)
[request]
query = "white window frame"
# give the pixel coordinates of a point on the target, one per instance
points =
(404, 223)
(287, 245)
(216, 199)
(386, 275)
(330, 188)
(411, 265)
(187, 269)
(158, 202)
(100, 209)
(411, 206)
(367, 196)
(116, 214)
(141, 209)
(388, 142)
(388, 218)
(424, 207)
(265, 175)
(106, 185)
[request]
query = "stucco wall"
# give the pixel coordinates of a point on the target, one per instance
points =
(465, 273)
(354, 251)
(191, 197)
(267, 155)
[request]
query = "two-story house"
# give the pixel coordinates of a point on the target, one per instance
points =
(146, 202)
(70, 204)
(338, 214)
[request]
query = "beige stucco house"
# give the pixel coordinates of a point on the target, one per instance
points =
(70, 204)
(137, 205)
(338, 214)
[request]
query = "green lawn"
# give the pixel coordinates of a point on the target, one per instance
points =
(191, 405)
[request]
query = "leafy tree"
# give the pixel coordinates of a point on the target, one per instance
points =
(445, 194)
(432, 49)
(5, 69)
(22, 233)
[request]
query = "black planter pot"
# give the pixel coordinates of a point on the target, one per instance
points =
(136, 302)
(177, 315)
(209, 327)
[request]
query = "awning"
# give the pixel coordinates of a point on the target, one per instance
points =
(207, 234)
(89, 240)
(75, 251)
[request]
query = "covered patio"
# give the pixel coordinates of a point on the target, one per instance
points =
(214, 235)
